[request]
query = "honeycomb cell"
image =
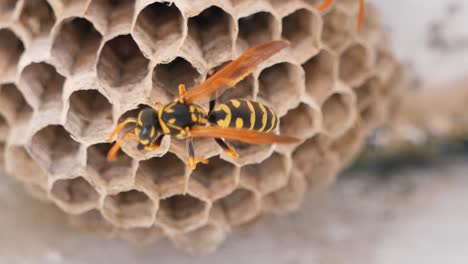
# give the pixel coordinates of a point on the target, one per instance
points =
(11, 49)
(166, 174)
(142, 235)
(366, 93)
(112, 174)
(54, 149)
(111, 16)
(321, 71)
(355, 64)
(301, 122)
(2, 155)
(267, 176)
(214, 180)
(36, 191)
(282, 85)
(182, 213)
(37, 16)
(201, 241)
(241, 206)
(249, 153)
(92, 221)
(214, 40)
(43, 85)
(90, 115)
(168, 76)
(349, 145)
(7, 7)
(257, 28)
(289, 198)
(74, 196)
(385, 65)
(338, 29)
(316, 162)
(373, 115)
(121, 65)
(159, 29)
(13, 102)
(337, 111)
(245, 89)
(302, 29)
(75, 48)
(129, 209)
(4, 128)
(22, 166)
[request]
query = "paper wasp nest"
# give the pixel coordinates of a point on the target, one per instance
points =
(70, 70)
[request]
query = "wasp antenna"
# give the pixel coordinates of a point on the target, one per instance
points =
(120, 127)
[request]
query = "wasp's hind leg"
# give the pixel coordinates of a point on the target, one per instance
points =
(227, 148)
(193, 161)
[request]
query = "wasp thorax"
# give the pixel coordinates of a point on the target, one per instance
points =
(147, 127)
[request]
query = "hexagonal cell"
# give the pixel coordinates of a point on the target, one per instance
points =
(129, 209)
(201, 241)
(373, 115)
(114, 174)
(37, 16)
(121, 65)
(110, 15)
(301, 122)
(257, 28)
(385, 65)
(240, 206)
(337, 113)
(54, 149)
(142, 235)
(43, 86)
(74, 196)
(355, 64)
(338, 29)
(348, 146)
(75, 48)
(7, 7)
(245, 89)
(289, 198)
(320, 74)
(249, 153)
(11, 48)
(182, 213)
(158, 28)
(316, 162)
(165, 174)
(93, 222)
(12, 100)
(90, 115)
(213, 180)
(22, 166)
(37, 191)
(214, 40)
(366, 93)
(267, 176)
(4, 128)
(282, 85)
(2, 155)
(302, 29)
(168, 76)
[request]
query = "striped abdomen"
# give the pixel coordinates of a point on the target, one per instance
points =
(241, 113)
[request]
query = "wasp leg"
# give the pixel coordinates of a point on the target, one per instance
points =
(192, 163)
(155, 145)
(325, 4)
(181, 90)
(120, 127)
(227, 148)
(112, 154)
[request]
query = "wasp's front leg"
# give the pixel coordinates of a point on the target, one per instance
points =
(193, 161)
(155, 145)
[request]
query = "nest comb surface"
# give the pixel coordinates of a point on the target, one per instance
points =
(71, 70)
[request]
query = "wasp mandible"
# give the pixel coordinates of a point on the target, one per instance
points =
(327, 3)
(238, 119)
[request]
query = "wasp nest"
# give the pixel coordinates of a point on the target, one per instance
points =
(71, 70)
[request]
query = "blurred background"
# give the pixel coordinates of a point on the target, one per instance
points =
(405, 210)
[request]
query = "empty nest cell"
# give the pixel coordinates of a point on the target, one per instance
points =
(214, 180)
(54, 149)
(75, 48)
(354, 64)
(4, 129)
(37, 16)
(182, 213)
(240, 207)
(11, 48)
(367, 93)
(89, 115)
(166, 174)
(320, 74)
(203, 240)
(338, 29)
(142, 235)
(111, 15)
(289, 198)
(301, 122)
(21, 165)
(43, 85)
(92, 221)
(337, 113)
(114, 174)
(12, 100)
(121, 64)
(159, 28)
(281, 85)
(244, 89)
(129, 209)
(7, 7)
(167, 77)
(211, 31)
(74, 196)
(257, 28)
(349, 145)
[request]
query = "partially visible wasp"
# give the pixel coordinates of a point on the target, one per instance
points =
(238, 119)
(327, 3)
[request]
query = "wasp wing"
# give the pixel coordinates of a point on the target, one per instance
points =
(247, 136)
(235, 71)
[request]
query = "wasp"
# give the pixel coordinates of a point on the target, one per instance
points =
(360, 20)
(238, 119)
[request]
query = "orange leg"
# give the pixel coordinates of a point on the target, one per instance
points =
(325, 4)
(193, 161)
(361, 14)
(120, 127)
(112, 154)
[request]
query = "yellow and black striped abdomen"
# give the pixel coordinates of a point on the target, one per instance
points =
(241, 113)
